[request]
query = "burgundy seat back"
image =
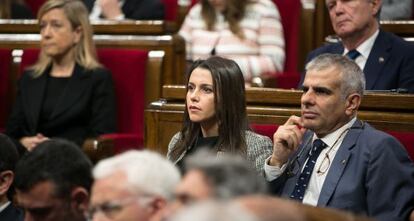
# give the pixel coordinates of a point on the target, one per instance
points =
(265, 129)
(128, 67)
(171, 8)
(290, 12)
(5, 90)
(35, 5)
(406, 139)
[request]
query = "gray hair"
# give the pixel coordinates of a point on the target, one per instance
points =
(228, 175)
(146, 171)
(213, 211)
(352, 78)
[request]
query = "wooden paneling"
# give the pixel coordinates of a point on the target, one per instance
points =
(172, 45)
(126, 27)
(394, 112)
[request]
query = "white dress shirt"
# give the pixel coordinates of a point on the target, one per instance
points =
(364, 49)
(316, 181)
(4, 206)
(97, 11)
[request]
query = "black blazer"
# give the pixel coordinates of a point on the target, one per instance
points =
(85, 109)
(138, 9)
(11, 213)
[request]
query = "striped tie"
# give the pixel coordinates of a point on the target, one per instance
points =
(353, 54)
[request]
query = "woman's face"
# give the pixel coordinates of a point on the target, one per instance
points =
(219, 5)
(200, 96)
(57, 35)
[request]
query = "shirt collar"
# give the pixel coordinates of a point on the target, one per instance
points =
(4, 206)
(365, 48)
(332, 137)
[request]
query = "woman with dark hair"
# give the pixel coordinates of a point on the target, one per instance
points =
(66, 93)
(215, 115)
(246, 31)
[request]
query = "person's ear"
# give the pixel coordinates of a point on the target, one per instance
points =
(376, 4)
(6, 180)
(78, 34)
(352, 103)
(157, 205)
(80, 199)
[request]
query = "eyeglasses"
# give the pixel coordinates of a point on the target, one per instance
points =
(111, 209)
(326, 161)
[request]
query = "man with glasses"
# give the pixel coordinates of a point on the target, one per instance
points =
(135, 185)
(329, 158)
(8, 159)
(53, 182)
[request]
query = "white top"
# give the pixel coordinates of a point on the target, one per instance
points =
(316, 181)
(97, 11)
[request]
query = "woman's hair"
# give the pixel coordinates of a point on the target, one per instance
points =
(77, 14)
(5, 9)
(234, 13)
(230, 108)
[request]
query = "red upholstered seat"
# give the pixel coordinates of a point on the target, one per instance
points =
(128, 67)
(35, 5)
(406, 139)
(265, 129)
(171, 8)
(290, 15)
(5, 90)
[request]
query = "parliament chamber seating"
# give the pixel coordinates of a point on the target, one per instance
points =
(134, 72)
(5, 82)
(267, 108)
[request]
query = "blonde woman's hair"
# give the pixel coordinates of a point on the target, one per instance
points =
(77, 14)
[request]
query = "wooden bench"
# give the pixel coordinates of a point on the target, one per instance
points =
(389, 112)
(172, 45)
(126, 27)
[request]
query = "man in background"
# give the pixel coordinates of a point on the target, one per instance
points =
(125, 9)
(386, 60)
(8, 159)
(53, 182)
(135, 185)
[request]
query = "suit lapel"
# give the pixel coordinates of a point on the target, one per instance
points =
(73, 91)
(339, 164)
(377, 58)
(34, 97)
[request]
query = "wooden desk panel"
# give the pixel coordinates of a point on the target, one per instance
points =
(391, 112)
(127, 27)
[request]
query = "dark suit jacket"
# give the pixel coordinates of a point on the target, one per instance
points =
(11, 213)
(390, 64)
(86, 107)
(138, 9)
(370, 174)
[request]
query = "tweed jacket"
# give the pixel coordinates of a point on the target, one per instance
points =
(258, 149)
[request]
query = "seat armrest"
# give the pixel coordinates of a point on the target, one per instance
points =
(98, 148)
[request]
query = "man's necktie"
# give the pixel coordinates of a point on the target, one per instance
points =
(353, 54)
(303, 181)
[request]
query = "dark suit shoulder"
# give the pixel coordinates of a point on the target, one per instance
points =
(11, 213)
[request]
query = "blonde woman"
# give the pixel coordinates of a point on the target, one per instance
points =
(67, 93)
